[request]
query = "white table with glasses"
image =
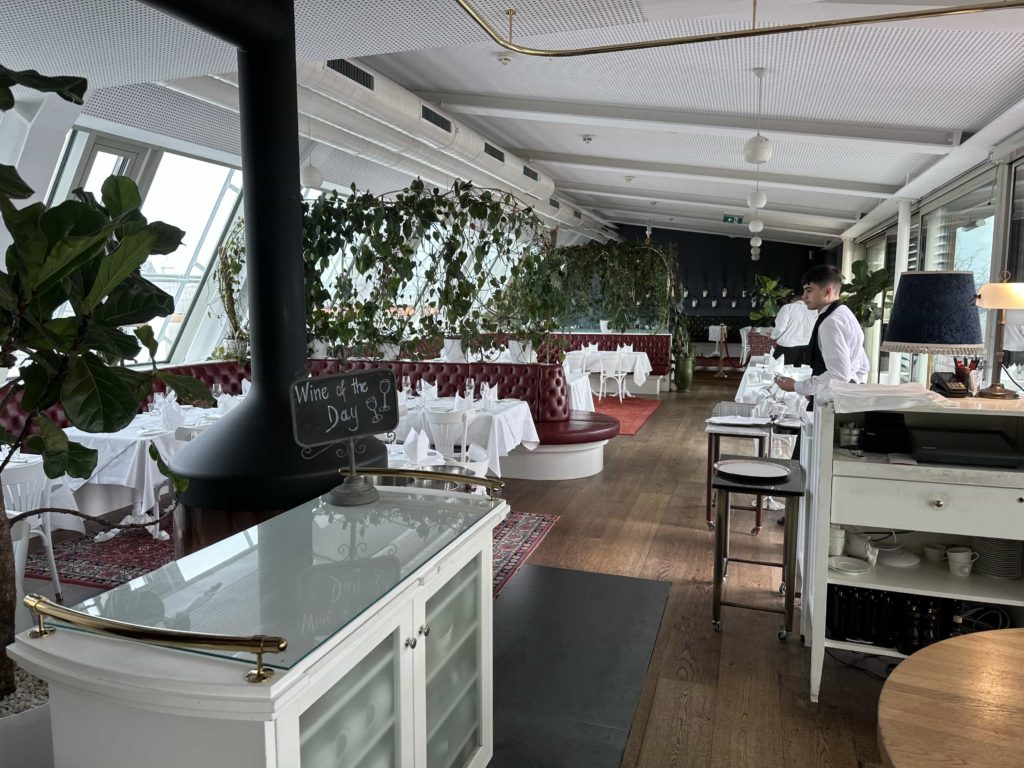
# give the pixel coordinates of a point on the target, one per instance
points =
(757, 376)
(498, 426)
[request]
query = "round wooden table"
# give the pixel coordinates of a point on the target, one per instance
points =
(959, 702)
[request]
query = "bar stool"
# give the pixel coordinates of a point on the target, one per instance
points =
(791, 490)
(715, 432)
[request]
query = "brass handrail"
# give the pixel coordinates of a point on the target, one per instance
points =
(490, 483)
(173, 638)
(734, 34)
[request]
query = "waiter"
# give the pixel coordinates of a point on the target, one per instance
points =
(792, 332)
(836, 348)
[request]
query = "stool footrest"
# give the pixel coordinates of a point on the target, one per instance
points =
(768, 563)
(748, 607)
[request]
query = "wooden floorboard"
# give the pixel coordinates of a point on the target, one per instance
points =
(732, 699)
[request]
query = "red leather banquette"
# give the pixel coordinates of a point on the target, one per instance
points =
(543, 386)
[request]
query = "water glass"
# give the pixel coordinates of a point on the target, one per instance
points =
(407, 385)
(216, 389)
(485, 390)
(470, 389)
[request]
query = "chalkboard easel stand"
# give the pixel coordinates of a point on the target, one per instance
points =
(356, 489)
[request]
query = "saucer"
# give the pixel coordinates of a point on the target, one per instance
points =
(848, 564)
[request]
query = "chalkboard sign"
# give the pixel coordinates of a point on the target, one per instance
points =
(332, 594)
(328, 409)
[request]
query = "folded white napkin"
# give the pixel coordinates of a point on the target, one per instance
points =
(428, 390)
(491, 395)
(402, 397)
(850, 398)
(228, 403)
(172, 417)
(590, 348)
(246, 384)
(776, 364)
(624, 348)
(417, 445)
(461, 403)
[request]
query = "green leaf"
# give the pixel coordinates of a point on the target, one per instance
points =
(6, 99)
(12, 185)
(96, 397)
(179, 482)
(81, 460)
(42, 389)
(111, 341)
(69, 88)
(120, 195)
(136, 300)
(189, 390)
(129, 255)
(146, 336)
(168, 238)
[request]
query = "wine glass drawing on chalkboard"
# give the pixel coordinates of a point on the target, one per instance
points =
(385, 387)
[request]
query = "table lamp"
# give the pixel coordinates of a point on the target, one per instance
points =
(935, 313)
(1001, 296)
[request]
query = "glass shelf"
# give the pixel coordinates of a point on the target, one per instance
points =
(303, 575)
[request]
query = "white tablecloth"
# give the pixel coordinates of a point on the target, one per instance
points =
(499, 429)
(637, 363)
(123, 457)
(581, 396)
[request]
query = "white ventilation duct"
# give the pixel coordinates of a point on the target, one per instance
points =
(387, 132)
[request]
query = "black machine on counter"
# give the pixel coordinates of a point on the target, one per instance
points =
(988, 448)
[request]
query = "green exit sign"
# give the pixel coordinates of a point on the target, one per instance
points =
(728, 218)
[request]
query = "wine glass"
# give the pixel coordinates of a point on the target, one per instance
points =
(485, 390)
(407, 385)
(217, 390)
(470, 389)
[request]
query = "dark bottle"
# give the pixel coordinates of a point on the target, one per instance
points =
(958, 626)
(911, 639)
(872, 606)
(887, 627)
(835, 628)
(854, 613)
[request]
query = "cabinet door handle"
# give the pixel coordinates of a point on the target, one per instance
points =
(424, 630)
(410, 642)
(939, 503)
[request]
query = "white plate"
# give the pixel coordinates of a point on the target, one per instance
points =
(848, 564)
(752, 470)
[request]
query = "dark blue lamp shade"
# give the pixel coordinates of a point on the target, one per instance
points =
(935, 312)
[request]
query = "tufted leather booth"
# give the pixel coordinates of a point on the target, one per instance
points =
(542, 386)
(657, 346)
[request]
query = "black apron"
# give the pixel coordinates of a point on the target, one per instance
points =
(816, 360)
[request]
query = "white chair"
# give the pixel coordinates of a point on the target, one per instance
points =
(576, 361)
(612, 370)
(448, 429)
(25, 489)
(744, 345)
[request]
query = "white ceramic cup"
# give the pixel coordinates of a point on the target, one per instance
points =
(960, 569)
(936, 553)
(961, 555)
(836, 540)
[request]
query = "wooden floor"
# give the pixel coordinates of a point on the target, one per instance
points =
(732, 699)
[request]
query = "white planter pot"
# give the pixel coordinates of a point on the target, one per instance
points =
(604, 326)
(452, 351)
(25, 739)
(519, 352)
(389, 351)
(319, 348)
(236, 347)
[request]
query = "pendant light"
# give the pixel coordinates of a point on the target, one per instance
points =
(755, 241)
(755, 225)
(310, 176)
(755, 254)
(758, 148)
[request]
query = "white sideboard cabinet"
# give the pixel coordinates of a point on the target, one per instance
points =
(936, 501)
(387, 610)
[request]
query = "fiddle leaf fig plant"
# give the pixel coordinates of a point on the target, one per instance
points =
(227, 275)
(73, 306)
(861, 292)
(769, 293)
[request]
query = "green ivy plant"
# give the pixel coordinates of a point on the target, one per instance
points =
(861, 292)
(770, 293)
(73, 285)
(227, 276)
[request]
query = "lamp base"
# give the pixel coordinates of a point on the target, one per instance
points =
(998, 392)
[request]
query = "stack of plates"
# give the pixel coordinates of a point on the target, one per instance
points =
(1002, 558)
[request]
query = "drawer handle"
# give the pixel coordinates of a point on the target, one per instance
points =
(939, 503)
(410, 643)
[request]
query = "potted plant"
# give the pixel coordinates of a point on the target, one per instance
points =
(227, 276)
(682, 363)
(86, 255)
(769, 293)
(861, 292)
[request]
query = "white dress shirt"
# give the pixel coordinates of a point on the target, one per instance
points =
(841, 342)
(793, 325)
(1013, 339)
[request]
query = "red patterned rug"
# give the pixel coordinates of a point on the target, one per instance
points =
(134, 553)
(632, 412)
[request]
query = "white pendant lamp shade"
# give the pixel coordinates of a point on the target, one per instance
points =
(755, 254)
(757, 199)
(758, 149)
(755, 241)
(310, 176)
(755, 225)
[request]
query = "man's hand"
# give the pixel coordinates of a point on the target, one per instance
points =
(785, 383)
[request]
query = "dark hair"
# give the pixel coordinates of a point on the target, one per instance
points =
(823, 275)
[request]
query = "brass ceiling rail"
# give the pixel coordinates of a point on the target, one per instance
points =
(172, 638)
(734, 34)
(415, 474)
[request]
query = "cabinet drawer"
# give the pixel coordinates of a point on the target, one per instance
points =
(939, 507)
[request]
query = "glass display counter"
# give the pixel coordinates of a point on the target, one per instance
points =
(386, 613)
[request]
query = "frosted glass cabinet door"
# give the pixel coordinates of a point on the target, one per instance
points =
(356, 723)
(453, 670)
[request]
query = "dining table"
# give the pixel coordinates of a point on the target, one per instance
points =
(636, 363)
(498, 426)
(581, 396)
